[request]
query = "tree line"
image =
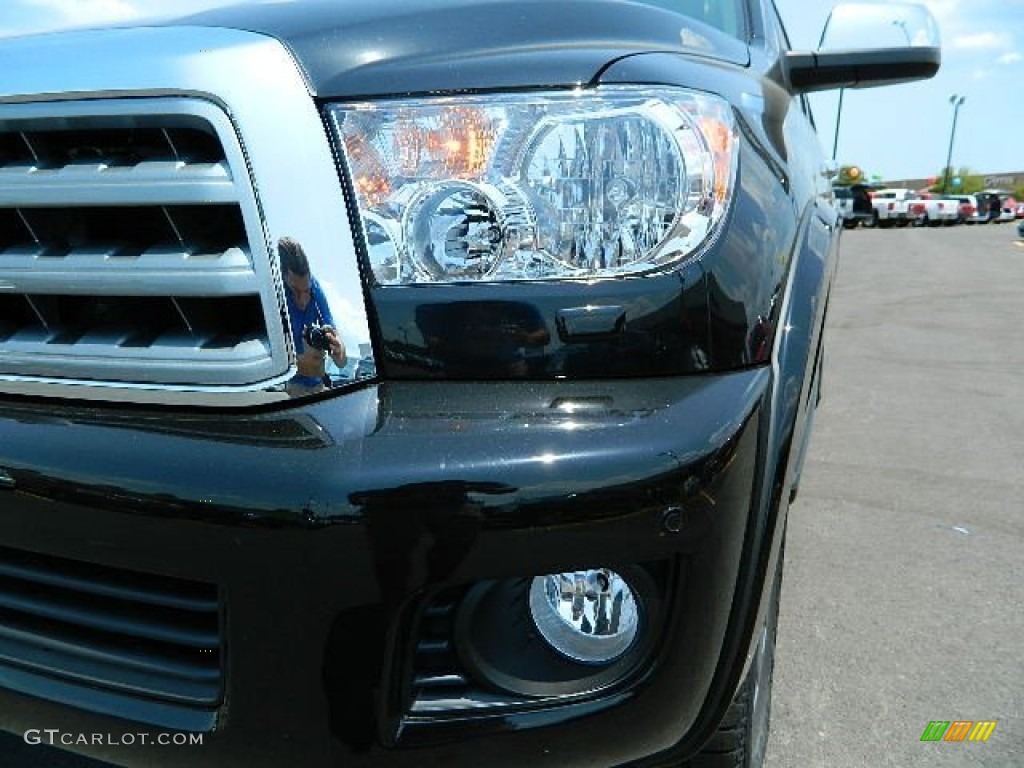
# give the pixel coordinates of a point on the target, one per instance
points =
(970, 183)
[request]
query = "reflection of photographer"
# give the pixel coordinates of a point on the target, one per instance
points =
(313, 330)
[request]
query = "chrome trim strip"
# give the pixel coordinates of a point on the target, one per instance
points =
(97, 273)
(171, 183)
(177, 360)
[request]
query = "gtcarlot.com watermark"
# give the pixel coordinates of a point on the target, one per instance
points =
(56, 738)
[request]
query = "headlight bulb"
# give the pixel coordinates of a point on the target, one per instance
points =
(454, 231)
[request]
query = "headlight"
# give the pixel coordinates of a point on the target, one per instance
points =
(580, 184)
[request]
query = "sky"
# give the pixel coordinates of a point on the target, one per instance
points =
(896, 132)
(903, 131)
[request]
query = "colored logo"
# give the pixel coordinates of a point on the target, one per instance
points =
(958, 730)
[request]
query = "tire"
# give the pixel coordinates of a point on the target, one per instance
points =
(923, 221)
(741, 740)
(871, 222)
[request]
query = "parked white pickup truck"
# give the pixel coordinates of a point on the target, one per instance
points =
(939, 210)
(896, 206)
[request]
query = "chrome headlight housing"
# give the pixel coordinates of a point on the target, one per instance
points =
(542, 185)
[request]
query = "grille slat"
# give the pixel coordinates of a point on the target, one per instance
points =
(158, 271)
(73, 579)
(167, 340)
(160, 362)
(56, 140)
(154, 182)
(108, 619)
(438, 678)
(132, 253)
(126, 231)
(434, 646)
(132, 634)
(439, 701)
(12, 636)
(29, 652)
(440, 681)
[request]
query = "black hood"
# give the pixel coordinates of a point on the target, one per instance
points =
(350, 48)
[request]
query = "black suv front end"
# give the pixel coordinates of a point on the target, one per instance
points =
(402, 393)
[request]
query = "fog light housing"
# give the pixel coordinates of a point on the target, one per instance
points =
(562, 634)
(588, 616)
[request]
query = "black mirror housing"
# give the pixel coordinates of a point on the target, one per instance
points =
(809, 71)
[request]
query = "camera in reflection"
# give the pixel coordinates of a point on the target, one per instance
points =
(315, 336)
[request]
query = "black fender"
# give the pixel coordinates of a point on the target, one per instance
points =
(790, 400)
(796, 363)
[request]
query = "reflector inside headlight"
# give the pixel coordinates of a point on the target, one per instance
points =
(580, 184)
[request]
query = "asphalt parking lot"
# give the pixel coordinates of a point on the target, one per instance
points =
(904, 582)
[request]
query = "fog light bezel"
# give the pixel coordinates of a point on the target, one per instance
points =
(499, 644)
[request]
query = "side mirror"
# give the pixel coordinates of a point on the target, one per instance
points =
(865, 45)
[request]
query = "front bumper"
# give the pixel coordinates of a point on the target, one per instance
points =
(321, 527)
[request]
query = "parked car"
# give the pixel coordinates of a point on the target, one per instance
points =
(1008, 210)
(968, 206)
(1019, 213)
(896, 206)
(588, 248)
(854, 204)
(937, 209)
(366, 368)
(989, 208)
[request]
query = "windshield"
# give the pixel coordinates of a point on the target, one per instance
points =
(726, 15)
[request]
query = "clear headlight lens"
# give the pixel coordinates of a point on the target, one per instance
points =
(580, 184)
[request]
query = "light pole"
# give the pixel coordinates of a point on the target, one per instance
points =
(839, 116)
(839, 109)
(902, 24)
(957, 102)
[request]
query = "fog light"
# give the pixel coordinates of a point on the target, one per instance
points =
(588, 616)
(563, 634)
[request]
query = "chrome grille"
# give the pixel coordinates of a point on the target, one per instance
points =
(121, 639)
(131, 248)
